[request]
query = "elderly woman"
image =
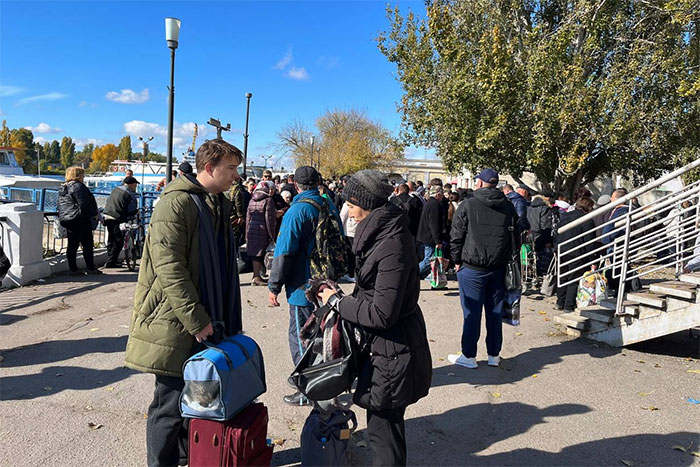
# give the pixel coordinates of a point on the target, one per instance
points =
(77, 212)
(261, 227)
(398, 370)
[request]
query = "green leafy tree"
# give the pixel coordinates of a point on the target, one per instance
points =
(23, 141)
(155, 157)
(67, 151)
(566, 90)
(125, 148)
(346, 141)
(83, 158)
(4, 134)
(53, 155)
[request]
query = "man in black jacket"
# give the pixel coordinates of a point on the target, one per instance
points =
(484, 229)
(411, 205)
(430, 228)
(121, 206)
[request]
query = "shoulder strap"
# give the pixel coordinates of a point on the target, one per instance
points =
(313, 203)
(209, 246)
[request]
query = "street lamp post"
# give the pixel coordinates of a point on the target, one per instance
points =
(248, 95)
(312, 150)
(172, 33)
(145, 155)
(267, 158)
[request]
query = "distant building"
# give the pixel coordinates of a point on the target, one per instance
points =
(423, 170)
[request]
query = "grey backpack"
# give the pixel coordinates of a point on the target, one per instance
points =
(325, 438)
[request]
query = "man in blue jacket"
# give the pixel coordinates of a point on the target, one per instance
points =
(520, 205)
(291, 266)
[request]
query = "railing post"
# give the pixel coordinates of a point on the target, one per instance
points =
(625, 255)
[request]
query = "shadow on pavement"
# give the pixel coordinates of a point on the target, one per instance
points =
(519, 367)
(55, 379)
(15, 299)
(680, 344)
(457, 436)
(60, 350)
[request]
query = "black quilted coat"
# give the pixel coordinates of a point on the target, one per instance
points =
(75, 201)
(385, 302)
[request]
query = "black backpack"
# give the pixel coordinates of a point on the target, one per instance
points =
(330, 259)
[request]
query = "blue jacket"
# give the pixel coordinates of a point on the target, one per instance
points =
(295, 242)
(520, 205)
(608, 237)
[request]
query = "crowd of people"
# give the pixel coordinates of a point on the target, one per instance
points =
(392, 231)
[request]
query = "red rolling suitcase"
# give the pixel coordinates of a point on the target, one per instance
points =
(240, 441)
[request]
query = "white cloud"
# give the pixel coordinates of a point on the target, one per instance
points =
(9, 90)
(81, 142)
(40, 139)
(43, 128)
(182, 133)
(87, 104)
(52, 96)
(298, 73)
(127, 96)
(284, 61)
(328, 62)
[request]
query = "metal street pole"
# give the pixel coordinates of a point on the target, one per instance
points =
(248, 95)
(312, 151)
(172, 34)
(171, 105)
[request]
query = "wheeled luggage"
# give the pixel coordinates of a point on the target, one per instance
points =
(223, 379)
(241, 441)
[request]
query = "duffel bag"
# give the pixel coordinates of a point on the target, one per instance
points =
(223, 379)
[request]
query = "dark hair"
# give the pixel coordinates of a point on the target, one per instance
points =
(436, 182)
(403, 188)
(582, 193)
(419, 183)
(447, 185)
(454, 196)
(213, 151)
(304, 187)
(508, 187)
(585, 205)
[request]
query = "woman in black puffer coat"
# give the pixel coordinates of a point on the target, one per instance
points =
(385, 303)
(77, 212)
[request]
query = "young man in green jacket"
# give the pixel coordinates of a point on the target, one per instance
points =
(169, 316)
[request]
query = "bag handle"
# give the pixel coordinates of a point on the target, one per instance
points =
(228, 359)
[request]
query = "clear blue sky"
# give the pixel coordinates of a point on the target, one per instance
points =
(97, 70)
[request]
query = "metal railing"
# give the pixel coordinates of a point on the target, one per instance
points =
(46, 199)
(639, 240)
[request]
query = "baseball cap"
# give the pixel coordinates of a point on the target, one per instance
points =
(306, 175)
(129, 180)
(185, 168)
(489, 176)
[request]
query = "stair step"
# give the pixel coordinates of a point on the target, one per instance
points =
(674, 289)
(630, 309)
(573, 321)
(648, 298)
(610, 303)
(598, 313)
(691, 278)
(648, 312)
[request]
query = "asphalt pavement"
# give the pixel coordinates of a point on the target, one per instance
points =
(67, 400)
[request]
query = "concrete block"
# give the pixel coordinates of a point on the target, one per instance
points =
(572, 320)
(22, 229)
(674, 289)
(600, 314)
(691, 278)
(648, 312)
(647, 298)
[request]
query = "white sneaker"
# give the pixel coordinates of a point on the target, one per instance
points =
(461, 360)
(494, 361)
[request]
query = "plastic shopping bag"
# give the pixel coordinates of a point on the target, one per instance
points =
(438, 278)
(592, 289)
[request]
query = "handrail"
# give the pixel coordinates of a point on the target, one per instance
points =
(640, 191)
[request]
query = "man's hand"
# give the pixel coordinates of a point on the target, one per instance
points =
(326, 294)
(204, 333)
(457, 266)
(273, 299)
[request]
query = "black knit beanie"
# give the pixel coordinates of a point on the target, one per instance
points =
(368, 189)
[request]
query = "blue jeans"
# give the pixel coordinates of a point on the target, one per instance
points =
(477, 290)
(424, 266)
(297, 317)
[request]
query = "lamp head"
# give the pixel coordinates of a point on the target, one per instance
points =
(172, 32)
(249, 95)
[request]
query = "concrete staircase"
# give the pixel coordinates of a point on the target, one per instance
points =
(664, 308)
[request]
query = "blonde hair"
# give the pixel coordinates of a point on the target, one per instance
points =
(74, 173)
